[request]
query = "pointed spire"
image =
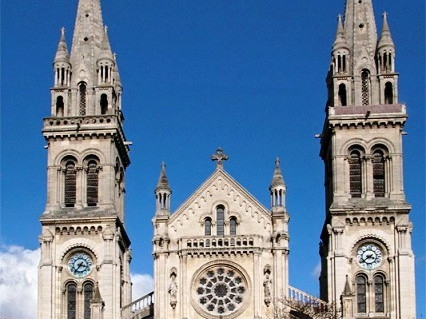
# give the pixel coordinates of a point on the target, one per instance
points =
(62, 50)
(88, 35)
(347, 291)
(106, 47)
(386, 37)
(277, 179)
(340, 41)
(163, 183)
(97, 295)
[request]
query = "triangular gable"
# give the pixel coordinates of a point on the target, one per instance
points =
(248, 203)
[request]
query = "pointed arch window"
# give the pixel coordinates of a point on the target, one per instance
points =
(361, 294)
(71, 301)
(92, 183)
(379, 293)
(70, 183)
(208, 226)
(342, 95)
(388, 93)
(88, 295)
(82, 88)
(355, 173)
(379, 173)
(233, 226)
(220, 220)
(365, 87)
(59, 106)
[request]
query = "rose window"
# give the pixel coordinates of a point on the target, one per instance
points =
(221, 290)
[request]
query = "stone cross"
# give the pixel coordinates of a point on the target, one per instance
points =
(219, 157)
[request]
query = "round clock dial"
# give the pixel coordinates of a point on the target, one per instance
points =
(369, 256)
(80, 265)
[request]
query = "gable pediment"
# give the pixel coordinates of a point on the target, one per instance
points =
(220, 189)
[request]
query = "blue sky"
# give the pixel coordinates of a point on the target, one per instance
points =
(248, 76)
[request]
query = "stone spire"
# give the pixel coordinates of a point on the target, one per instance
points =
(97, 295)
(360, 29)
(163, 193)
(88, 35)
(163, 182)
(277, 188)
(62, 50)
(347, 291)
(277, 178)
(340, 41)
(386, 37)
(106, 47)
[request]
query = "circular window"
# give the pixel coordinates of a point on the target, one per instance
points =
(220, 291)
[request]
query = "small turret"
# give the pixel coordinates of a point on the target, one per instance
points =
(277, 188)
(163, 193)
(386, 49)
(340, 49)
(61, 63)
(105, 62)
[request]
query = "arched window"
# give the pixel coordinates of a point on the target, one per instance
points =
(82, 91)
(92, 183)
(71, 301)
(104, 104)
(365, 87)
(88, 294)
(339, 63)
(355, 173)
(379, 294)
(342, 95)
(388, 93)
(208, 227)
(233, 226)
(220, 220)
(379, 173)
(70, 184)
(59, 106)
(361, 294)
(344, 63)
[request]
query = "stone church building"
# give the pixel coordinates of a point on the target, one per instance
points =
(222, 254)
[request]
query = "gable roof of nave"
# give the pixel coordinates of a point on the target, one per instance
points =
(235, 192)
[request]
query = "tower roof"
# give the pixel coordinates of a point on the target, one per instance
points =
(360, 29)
(163, 183)
(340, 41)
(386, 37)
(88, 35)
(347, 291)
(106, 47)
(277, 178)
(62, 50)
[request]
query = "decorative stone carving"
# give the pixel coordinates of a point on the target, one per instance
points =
(267, 282)
(173, 288)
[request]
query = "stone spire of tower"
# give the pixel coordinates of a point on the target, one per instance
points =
(277, 188)
(360, 28)
(62, 50)
(163, 182)
(340, 41)
(106, 47)
(347, 291)
(88, 35)
(163, 193)
(386, 37)
(277, 178)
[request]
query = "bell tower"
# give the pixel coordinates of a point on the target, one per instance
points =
(367, 260)
(84, 270)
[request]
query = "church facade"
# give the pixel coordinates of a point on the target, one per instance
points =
(222, 254)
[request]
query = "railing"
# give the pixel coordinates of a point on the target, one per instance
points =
(139, 309)
(300, 296)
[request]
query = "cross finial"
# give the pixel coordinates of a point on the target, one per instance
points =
(219, 157)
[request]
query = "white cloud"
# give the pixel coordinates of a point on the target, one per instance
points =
(317, 271)
(142, 285)
(18, 282)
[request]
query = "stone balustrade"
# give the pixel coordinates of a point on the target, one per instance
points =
(297, 295)
(142, 308)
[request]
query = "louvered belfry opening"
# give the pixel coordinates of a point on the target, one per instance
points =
(365, 89)
(82, 104)
(92, 183)
(70, 184)
(355, 174)
(379, 174)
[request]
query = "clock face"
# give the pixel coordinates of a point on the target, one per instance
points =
(369, 256)
(80, 265)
